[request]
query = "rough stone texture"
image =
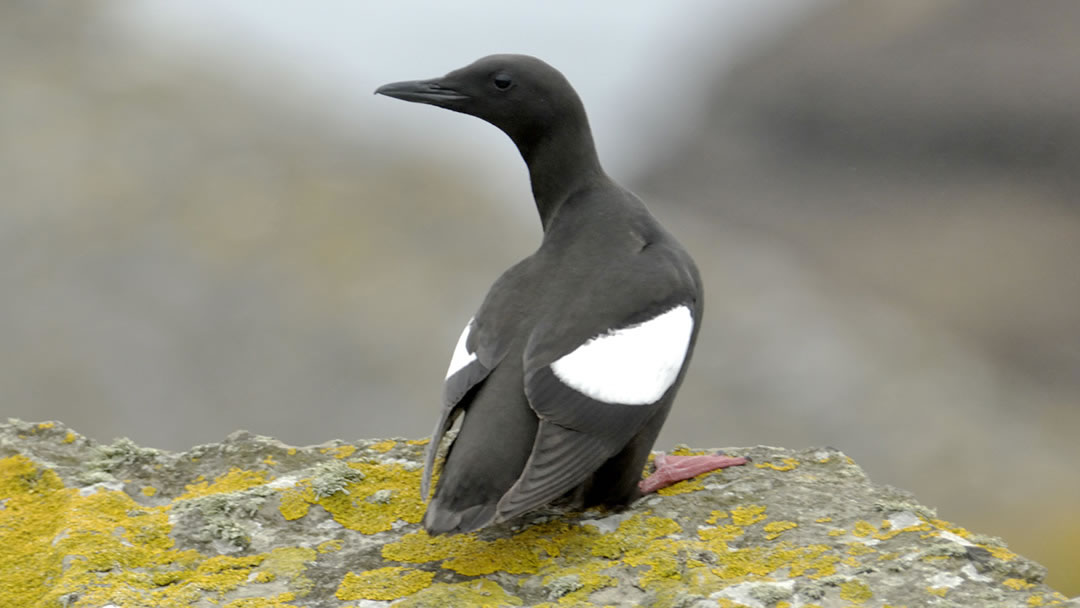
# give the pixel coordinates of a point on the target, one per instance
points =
(252, 522)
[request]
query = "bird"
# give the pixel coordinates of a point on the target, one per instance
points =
(568, 369)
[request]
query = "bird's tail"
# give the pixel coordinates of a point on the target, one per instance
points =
(442, 520)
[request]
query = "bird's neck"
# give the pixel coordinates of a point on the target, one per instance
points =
(560, 163)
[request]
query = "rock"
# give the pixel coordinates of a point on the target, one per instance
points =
(252, 522)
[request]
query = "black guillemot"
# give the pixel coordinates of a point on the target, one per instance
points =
(567, 371)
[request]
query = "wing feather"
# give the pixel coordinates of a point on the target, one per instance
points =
(561, 459)
(580, 428)
(466, 372)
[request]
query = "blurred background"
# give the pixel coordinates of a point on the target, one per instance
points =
(209, 223)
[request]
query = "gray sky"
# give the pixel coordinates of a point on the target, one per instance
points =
(640, 66)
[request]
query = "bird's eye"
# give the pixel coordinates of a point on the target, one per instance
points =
(502, 82)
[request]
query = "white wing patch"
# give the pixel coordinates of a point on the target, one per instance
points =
(634, 365)
(461, 356)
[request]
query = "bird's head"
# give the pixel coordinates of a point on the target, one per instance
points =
(519, 94)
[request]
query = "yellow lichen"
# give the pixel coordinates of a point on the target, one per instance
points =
(757, 562)
(352, 509)
(823, 520)
(1018, 584)
(423, 441)
(330, 546)
(475, 594)
(225, 573)
(519, 554)
(683, 450)
(860, 549)
(683, 487)
(745, 516)
(938, 591)
(722, 534)
(1000, 552)
(588, 574)
(886, 535)
(290, 563)
(148, 491)
(282, 600)
(788, 464)
(269, 461)
(343, 452)
(383, 446)
(773, 530)
(716, 516)
(110, 549)
(107, 548)
(855, 591)
(34, 505)
(295, 502)
(863, 528)
(45, 425)
(233, 481)
(888, 557)
(633, 534)
(1036, 599)
(388, 583)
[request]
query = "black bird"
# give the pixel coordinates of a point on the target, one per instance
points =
(568, 370)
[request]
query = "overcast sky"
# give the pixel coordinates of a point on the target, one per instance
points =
(640, 66)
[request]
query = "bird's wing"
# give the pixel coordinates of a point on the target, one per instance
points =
(594, 386)
(470, 363)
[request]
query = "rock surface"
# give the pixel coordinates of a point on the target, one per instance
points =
(251, 522)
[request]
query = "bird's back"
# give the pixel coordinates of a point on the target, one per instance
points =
(604, 242)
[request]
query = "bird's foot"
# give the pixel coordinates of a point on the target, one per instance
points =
(673, 469)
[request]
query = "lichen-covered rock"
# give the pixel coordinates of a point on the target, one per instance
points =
(252, 523)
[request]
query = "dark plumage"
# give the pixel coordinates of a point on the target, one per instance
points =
(569, 367)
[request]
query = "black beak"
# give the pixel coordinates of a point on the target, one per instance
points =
(434, 92)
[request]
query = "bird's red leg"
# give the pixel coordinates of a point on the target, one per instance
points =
(673, 469)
